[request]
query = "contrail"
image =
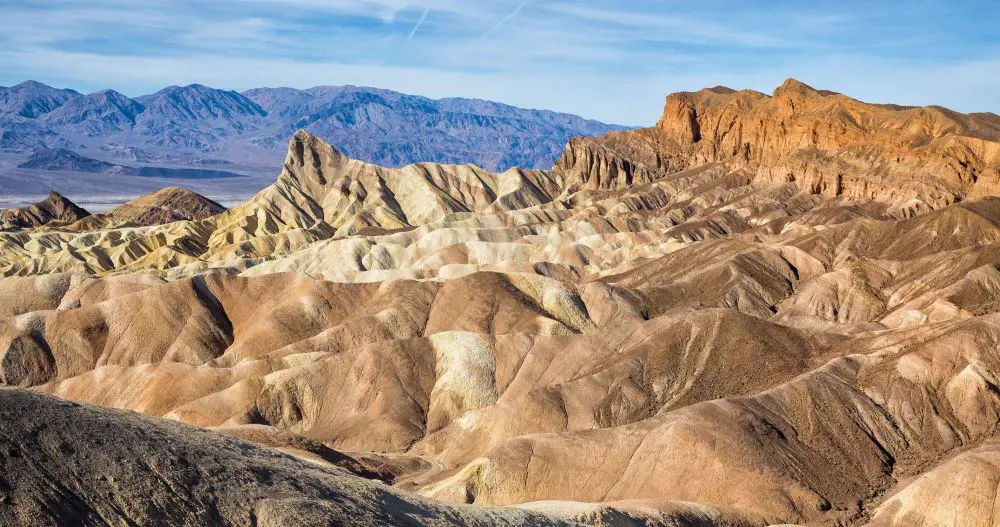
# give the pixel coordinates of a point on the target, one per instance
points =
(506, 19)
(419, 23)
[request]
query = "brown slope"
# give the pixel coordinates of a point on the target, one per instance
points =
(73, 464)
(811, 450)
(166, 205)
(961, 491)
(54, 209)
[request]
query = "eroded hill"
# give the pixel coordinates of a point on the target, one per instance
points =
(765, 309)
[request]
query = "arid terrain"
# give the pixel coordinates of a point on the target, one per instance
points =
(765, 309)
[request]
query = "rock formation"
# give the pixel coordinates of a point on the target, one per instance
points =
(167, 205)
(55, 208)
(763, 310)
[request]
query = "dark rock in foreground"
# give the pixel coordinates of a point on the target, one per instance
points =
(70, 464)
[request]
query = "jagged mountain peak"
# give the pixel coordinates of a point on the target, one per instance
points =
(306, 150)
(375, 125)
(395, 129)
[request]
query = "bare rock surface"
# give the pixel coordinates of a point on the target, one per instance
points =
(767, 309)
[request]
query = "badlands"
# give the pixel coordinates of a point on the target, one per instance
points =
(765, 309)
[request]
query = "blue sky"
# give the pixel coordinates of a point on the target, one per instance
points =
(610, 60)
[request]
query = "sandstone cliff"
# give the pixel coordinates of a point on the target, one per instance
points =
(823, 142)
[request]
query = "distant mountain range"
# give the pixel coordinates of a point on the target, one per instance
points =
(186, 125)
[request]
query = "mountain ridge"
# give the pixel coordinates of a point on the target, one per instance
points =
(377, 125)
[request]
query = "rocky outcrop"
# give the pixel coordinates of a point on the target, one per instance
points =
(615, 161)
(53, 209)
(826, 143)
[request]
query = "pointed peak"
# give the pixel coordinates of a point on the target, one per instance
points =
(305, 136)
(795, 87)
(306, 149)
(60, 203)
(719, 90)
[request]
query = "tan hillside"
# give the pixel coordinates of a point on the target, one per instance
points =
(763, 310)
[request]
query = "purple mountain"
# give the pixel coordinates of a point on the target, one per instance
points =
(31, 99)
(381, 126)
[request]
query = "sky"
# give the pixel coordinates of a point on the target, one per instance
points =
(612, 60)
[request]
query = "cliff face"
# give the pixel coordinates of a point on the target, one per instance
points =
(823, 142)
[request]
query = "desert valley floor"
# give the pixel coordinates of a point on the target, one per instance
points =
(765, 309)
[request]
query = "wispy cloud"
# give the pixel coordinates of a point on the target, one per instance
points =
(510, 16)
(419, 23)
(620, 57)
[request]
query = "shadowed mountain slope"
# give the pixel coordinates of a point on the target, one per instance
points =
(88, 466)
(55, 208)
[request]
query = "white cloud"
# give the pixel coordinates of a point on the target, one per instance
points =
(613, 61)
